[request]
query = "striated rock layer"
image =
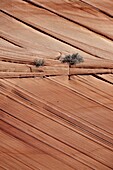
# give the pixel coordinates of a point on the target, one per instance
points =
(49, 122)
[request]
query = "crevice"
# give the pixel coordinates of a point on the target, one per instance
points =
(11, 42)
(100, 10)
(20, 95)
(30, 67)
(63, 16)
(34, 4)
(101, 78)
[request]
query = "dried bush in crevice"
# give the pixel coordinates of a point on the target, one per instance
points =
(72, 60)
(39, 62)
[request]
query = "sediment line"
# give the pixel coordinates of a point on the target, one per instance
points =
(81, 127)
(33, 144)
(85, 96)
(48, 144)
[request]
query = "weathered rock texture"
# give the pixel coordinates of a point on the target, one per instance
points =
(47, 121)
